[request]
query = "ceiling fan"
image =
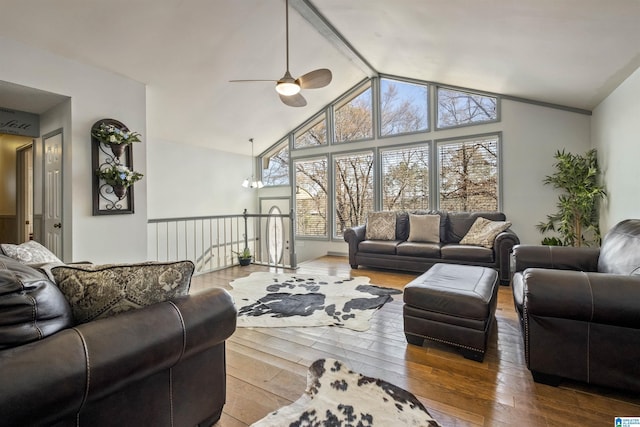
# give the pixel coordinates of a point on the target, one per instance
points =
(289, 88)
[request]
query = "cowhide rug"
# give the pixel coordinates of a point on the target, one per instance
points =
(266, 299)
(337, 396)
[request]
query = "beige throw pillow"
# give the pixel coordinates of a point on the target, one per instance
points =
(381, 226)
(97, 291)
(483, 232)
(424, 228)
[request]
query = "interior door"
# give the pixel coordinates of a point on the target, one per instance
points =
(25, 192)
(52, 194)
(276, 232)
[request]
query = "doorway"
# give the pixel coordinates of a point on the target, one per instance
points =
(24, 192)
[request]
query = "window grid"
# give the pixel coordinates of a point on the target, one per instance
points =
(404, 107)
(405, 178)
(468, 174)
(354, 179)
(311, 198)
(461, 108)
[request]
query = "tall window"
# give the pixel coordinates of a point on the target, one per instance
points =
(311, 197)
(354, 117)
(354, 189)
(405, 178)
(404, 107)
(468, 174)
(313, 134)
(458, 108)
(275, 164)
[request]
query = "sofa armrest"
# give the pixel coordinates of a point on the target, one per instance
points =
(502, 247)
(353, 236)
(554, 257)
(609, 299)
(95, 359)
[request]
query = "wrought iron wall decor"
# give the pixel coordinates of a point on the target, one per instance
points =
(110, 199)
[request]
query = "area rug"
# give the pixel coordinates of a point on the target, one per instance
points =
(336, 396)
(266, 299)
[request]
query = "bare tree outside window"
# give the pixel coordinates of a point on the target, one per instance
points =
(354, 189)
(313, 136)
(311, 197)
(354, 119)
(456, 108)
(405, 178)
(468, 174)
(404, 107)
(275, 166)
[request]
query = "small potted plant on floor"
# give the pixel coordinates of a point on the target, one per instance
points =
(244, 257)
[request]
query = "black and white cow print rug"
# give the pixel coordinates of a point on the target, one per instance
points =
(337, 396)
(265, 299)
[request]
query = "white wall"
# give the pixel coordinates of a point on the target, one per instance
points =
(187, 180)
(615, 134)
(95, 94)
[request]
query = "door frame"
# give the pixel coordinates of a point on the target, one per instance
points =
(43, 218)
(22, 192)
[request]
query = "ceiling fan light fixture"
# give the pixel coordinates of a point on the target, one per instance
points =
(285, 88)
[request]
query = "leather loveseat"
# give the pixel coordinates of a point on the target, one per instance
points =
(159, 365)
(402, 254)
(580, 309)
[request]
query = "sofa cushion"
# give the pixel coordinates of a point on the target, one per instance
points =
(483, 232)
(418, 249)
(30, 252)
(620, 250)
(381, 226)
(31, 306)
(459, 223)
(468, 253)
(98, 291)
(379, 246)
(424, 228)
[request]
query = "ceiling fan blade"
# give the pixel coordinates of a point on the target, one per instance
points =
(296, 100)
(315, 79)
(250, 80)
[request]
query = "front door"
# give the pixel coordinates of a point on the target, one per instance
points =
(52, 208)
(275, 247)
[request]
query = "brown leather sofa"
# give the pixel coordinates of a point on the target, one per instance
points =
(399, 254)
(580, 309)
(160, 365)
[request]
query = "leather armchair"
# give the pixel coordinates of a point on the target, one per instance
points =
(579, 309)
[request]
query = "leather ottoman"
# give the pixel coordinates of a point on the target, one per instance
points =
(452, 304)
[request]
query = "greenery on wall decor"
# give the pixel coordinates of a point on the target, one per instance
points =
(577, 218)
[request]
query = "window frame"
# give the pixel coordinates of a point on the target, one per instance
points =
(429, 144)
(359, 89)
(463, 138)
(329, 206)
(275, 148)
(308, 125)
(437, 126)
(427, 86)
(346, 153)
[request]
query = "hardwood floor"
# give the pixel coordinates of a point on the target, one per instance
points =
(266, 367)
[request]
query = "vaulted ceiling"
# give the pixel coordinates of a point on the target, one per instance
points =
(567, 52)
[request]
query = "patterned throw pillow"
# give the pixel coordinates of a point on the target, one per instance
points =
(98, 291)
(381, 226)
(483, 232)
(30, 252)
(424, 228)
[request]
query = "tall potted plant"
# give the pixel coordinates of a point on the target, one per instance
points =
(577, 218)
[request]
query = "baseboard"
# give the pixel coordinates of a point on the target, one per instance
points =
(330, 253)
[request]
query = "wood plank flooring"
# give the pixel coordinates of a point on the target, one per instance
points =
(266, 367)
